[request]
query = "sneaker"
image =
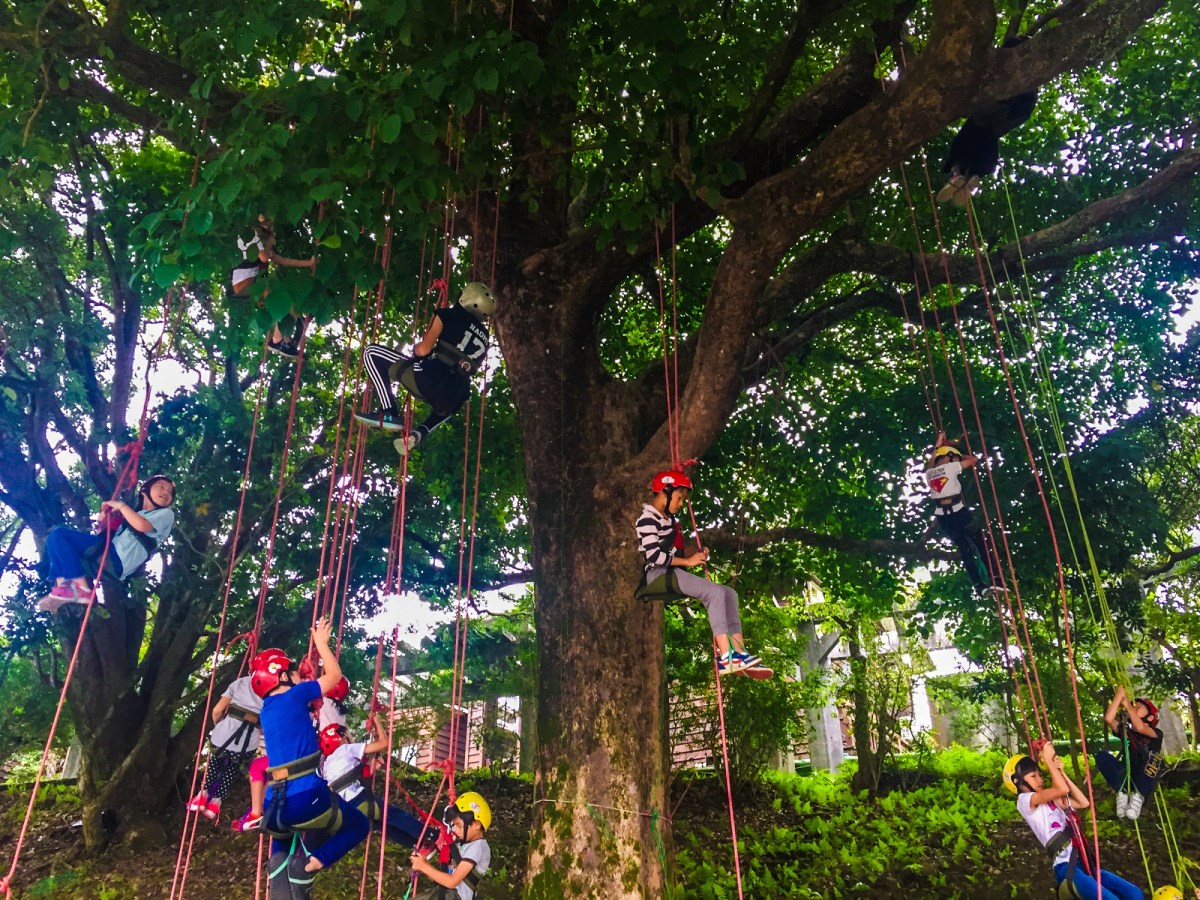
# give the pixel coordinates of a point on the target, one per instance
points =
(62, 594)
(197, 803)
(1134, 810)
(405, 445)
(212, 809)
(728, 664)
(963, 195)
(745, 660)
(1122, 804)
(284, 348)
(951, 188)
(248, 822)
(387, 419)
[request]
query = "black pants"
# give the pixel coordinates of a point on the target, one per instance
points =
(444, 388)
(972, 545)
(224, 769)
(974, 151)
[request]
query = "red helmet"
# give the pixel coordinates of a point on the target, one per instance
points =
(1151, 711)
(339, 691)
(266, 670)
(670, 478)
(330, 738)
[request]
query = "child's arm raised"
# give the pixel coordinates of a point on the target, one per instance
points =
(1110, 714)
(380, 743)
(1140, 725)
(331, 672)
(429, 340)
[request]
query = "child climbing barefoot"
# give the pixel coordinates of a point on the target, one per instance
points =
(661, 542)
(298, 799)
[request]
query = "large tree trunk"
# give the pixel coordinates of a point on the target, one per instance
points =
(131, 761)
(601, 762)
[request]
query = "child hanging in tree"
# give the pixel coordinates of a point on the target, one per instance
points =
(470, 855)
(661, 540)
(73, 555)
(1050, 814)
(343, 769)
(1140, 761)
(953, 516)
(975, 151)
(247, 272)
(440, 369)
(298, 799)
(234, 738)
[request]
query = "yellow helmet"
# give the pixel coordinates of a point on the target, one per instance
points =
(473, 803)
(946, 450)
(1168, 892)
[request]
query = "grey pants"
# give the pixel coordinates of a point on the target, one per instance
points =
(718, 600)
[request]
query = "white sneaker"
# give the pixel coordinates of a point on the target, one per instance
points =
(1135, 806)
(404, 445)
(951, 188)
(1122, 804)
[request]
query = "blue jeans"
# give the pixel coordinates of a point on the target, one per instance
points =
(1114, 888)
(305, 806)
(65, 549)
(1113, 769)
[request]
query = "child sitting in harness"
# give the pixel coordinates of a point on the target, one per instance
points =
(439, 371)
(661, 541)
(954, 517)
(1050, 814)
(298, 799)
(344, 768)
(470, 856)
(72, 556)
(234, 738)
(247, 272)
(1140, 760)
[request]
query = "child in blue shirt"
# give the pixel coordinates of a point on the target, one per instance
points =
(298, 799)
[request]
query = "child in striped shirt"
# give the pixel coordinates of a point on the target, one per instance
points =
(661, 541)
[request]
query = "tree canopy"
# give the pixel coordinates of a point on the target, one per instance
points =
(765, 168)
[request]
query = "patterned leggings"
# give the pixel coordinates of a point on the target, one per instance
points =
(224, 768)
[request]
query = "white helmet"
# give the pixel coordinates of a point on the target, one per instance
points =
(478, 299)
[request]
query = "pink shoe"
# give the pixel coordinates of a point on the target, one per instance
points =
(213, 810)
(61, 594)
(248, 822)
(199, 802)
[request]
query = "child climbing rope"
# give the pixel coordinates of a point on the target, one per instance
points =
(330, 709)
(73, 555)
(343, 769)
(1055, 824)
(975, 151)
(247, 272)
(440, 369)
(234, 738)
(661, 541)
(953, 516)
(1140, 761)
(470, 855)
(298, 799)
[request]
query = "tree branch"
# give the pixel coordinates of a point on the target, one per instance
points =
(730, 540)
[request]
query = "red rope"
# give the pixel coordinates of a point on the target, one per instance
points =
(128, 476)
(1037, 479)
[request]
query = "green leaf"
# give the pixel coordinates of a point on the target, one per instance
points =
(333, 242)
(167, 274)
(487, 78)
(228, 193)
(389, 128)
